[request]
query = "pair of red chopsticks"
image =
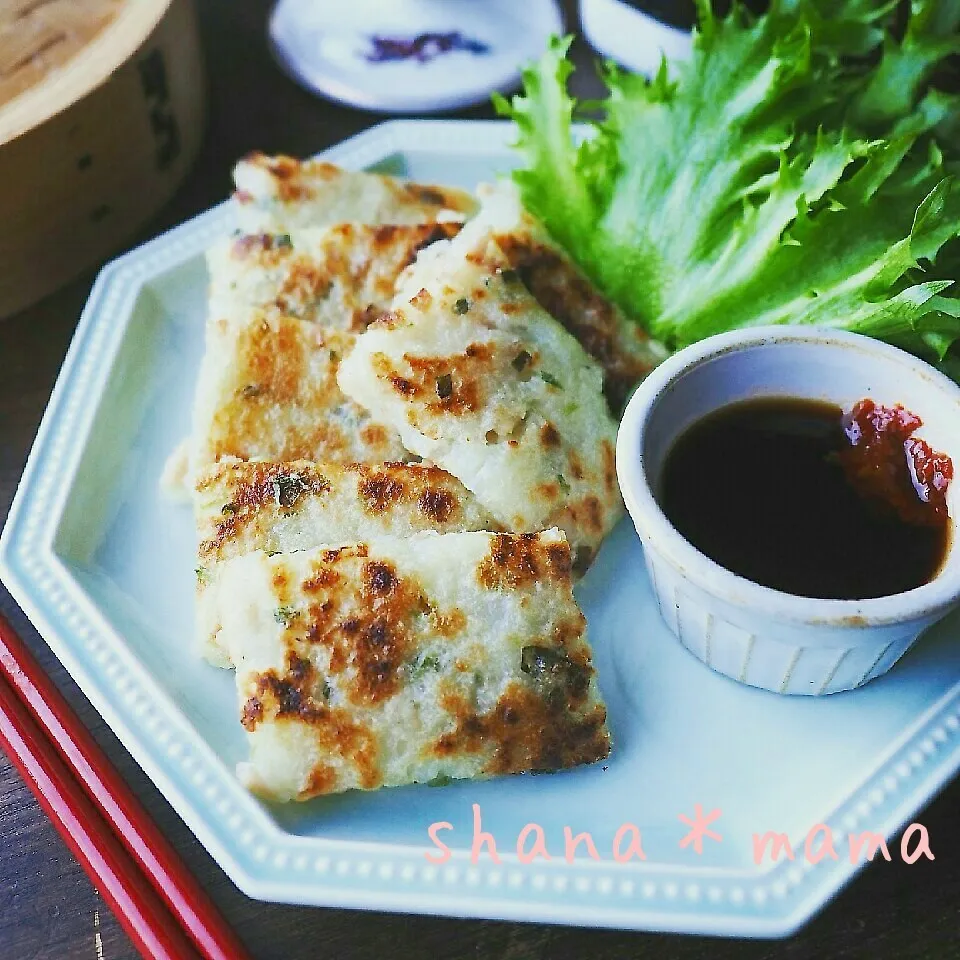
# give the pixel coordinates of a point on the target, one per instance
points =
(157, 901)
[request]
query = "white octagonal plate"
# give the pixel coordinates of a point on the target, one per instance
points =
(104, 567)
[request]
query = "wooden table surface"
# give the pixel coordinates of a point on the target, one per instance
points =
(49, 910)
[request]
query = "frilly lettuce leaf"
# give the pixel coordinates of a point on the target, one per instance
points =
(794, 170)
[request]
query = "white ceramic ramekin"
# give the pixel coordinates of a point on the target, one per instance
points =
(754, 634)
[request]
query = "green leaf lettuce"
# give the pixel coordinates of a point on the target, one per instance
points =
(797, 169)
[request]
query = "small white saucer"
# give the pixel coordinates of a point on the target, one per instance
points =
(635, 39)
(331, 49)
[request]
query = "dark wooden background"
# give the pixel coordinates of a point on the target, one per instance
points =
(48, 909)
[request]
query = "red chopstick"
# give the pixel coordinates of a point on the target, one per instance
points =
(139, 910)
(43, 732)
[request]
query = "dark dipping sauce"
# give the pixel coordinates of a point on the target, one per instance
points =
(799, 496)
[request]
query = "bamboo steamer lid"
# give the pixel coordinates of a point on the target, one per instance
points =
(101, 116)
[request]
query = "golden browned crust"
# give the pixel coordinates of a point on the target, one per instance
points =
(360, 610)
(256, 493)
(297, 697)
(520, 560)
(537, 725)
(438, 505)
(350, 267)
(285, 402)
(259, 485)
(550, 438)
(609, 466)
(568, 295)
(456, 384)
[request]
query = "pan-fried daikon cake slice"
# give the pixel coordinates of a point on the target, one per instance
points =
(506, 237)
(281, 507)
(338, 277)
(341, 276)
(278, 194)
(410, 660)
(267, 390)
(477, 378)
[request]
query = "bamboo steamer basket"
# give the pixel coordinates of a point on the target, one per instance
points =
(101, 117)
